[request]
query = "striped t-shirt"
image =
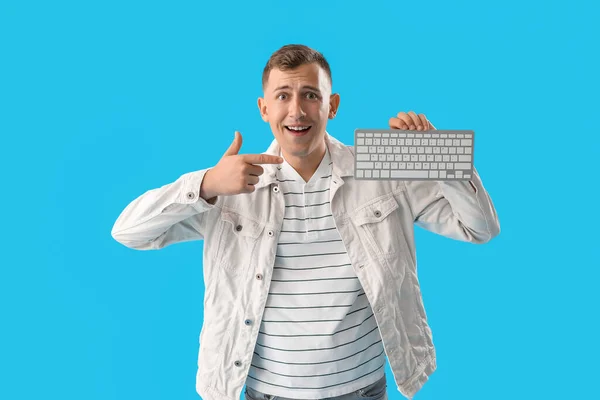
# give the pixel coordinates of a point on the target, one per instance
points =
(318, 337)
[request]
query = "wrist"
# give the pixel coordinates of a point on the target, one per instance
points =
(206, 190)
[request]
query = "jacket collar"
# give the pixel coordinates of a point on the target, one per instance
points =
(341, 156)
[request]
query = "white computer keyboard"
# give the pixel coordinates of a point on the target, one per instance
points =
(438, 155)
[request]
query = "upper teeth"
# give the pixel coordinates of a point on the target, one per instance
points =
(298, 128)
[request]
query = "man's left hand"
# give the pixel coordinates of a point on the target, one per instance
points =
(411, 121)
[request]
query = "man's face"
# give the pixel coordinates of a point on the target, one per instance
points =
(295, 100)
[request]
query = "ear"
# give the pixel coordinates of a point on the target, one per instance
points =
(262, 108)
(334, 104)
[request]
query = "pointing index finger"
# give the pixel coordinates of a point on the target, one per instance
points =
(262, 159)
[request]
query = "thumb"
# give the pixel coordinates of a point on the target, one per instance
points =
(235, 146)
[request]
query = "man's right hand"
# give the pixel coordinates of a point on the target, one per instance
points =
(235, 173)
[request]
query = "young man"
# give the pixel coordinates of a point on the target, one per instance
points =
(310, 274)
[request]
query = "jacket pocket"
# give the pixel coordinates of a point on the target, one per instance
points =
(379, 223)
(238, 237)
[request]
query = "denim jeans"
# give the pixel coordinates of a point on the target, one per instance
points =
(375, 391)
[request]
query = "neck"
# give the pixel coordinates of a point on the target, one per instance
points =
(306, 165)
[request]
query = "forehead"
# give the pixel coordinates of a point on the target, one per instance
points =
(307, 74)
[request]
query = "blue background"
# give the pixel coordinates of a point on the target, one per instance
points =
(103, 100)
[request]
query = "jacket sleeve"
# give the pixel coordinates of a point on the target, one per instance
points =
(166, 215)
(461, 210)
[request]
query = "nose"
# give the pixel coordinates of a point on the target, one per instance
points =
(295, 110)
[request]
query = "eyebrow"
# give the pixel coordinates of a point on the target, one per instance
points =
(303, 87)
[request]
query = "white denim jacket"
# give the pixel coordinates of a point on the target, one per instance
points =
(375, 220)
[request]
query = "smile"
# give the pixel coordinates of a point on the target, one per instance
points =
(298, 130)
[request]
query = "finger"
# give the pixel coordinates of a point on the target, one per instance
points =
(424, 121)
(397, 123)
(261, 159)
(407, 120)
(235, 146)
(252, 180)
(255, 170)
(416, 120)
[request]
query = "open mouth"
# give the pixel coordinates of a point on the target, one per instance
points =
(298, 130)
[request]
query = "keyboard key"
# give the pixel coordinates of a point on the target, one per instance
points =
(363, 157)
(466, 142)
(374, 157)
(433, 174)
(369, 142)
(443, 174)
(368, 173)
(376, 174)
(385, 173)
(464, 158)
(409, 174)
(360, 141)
(462, 166)
(378, 165)
(364, 165)
(362, 149)
(360, 173)
(386, 165)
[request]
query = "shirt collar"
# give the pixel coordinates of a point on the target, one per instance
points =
(339, 154)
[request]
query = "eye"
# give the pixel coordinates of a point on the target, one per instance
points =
(279, 96)
(314, 96)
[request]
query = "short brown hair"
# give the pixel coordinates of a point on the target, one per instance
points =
(292, 56)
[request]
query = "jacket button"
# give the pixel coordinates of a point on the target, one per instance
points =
(238, 228)
(247, 322)
(259, 277)
(190, 195)
(270, 233)
(237, 364)
(378, 213)
(276, 189)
